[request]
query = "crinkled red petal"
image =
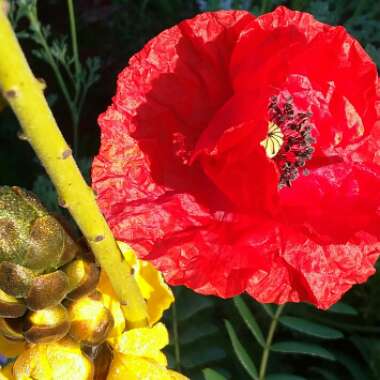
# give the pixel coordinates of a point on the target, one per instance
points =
(180, 158)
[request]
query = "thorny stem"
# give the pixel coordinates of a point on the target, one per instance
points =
(268, 342)
(177, 352)
(24, 94)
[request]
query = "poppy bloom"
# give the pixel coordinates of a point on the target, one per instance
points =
(241, 154)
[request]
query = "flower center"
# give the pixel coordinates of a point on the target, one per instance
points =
(289, 141)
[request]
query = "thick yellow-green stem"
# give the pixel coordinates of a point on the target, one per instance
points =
(24, 94)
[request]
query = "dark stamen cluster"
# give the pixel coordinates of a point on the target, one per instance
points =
(297, 146)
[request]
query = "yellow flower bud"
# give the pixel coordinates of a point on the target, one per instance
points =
(83, 277)
(6, 373)
(10, 348)
(11, 307)
(12, 328)
(47, 325)
(91, 321)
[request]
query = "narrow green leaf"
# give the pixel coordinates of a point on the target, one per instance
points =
(241, 353)
(311, 328)
(268, 309)
(342, 308)
(249, 320)
(363, 345)
(210, 374)
(200, 355)
(191, 304)
(293, 347)
(193, 332)
(352, 366)
(284, 376)
(324, 373)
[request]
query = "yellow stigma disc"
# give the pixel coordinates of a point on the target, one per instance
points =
(274, 140)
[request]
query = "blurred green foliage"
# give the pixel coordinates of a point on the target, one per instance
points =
(213, 339)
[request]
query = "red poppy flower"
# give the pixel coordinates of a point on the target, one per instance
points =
(241, 154)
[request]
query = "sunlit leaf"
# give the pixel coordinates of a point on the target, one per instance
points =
(210, 374)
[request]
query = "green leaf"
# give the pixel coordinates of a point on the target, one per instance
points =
(374, 53)
(324, 373)
(249, 320)
(352, 366)
(293, 347)
(268, 309)
(284, 376)
(200, 355)
(311, 328)
(342, 308)
(193, 332)
(210, 374)
(187, 309)
(241, 353)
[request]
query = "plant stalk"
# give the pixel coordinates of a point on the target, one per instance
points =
(24, 94)
(268, 342)
(264, 6)
(36, 26)
(74, 43)
(74, 39)
(177, 351)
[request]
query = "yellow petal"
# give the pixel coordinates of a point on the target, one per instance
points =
(105, 287)
(161, 297)
(6, 373)
(136, 368)
(10, 348)
(118, 317)
(110, 301)
(177, 376)
(157, 294)
(152, 286)
(130, 257)
(53, 361)
(145, 341)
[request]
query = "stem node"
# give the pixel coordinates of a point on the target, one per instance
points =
(66, 154)
(10, 94)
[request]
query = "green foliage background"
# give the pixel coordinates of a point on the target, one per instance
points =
(211, 339)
